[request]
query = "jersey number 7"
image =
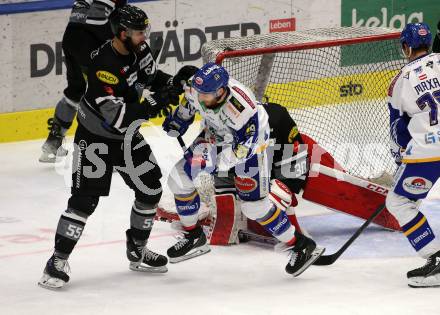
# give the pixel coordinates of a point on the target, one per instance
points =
(432, 100)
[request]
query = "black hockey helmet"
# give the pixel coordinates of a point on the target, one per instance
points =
(129, 17)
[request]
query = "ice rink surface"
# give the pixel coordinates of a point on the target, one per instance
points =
(244, 279)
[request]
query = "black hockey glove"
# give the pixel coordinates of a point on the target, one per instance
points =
(119, 3)
(167, 94)
(182, 77)
(160, 102)
(157, 111)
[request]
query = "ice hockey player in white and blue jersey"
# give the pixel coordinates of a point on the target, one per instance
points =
(235, 133)
(414, 97)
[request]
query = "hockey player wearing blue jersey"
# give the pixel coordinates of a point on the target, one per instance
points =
(414, 97)
(235, 134)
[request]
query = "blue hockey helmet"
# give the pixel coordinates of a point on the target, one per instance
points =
(210, 78)
(416, 35)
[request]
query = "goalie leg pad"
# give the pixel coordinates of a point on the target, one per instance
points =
(223, 229)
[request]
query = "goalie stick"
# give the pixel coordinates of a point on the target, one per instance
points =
(326, 260)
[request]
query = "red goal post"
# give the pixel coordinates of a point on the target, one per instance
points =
(333, 81)
(295, 47)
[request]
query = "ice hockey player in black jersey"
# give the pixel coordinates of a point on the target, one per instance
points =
(87, 29)
(108, 136)
(290, 160)
(290, 157)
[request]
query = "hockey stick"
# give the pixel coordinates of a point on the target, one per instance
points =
(244, 236)
(326, 260)
(156, 47)
(182, 143)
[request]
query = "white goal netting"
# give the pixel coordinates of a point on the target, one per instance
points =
(333, 81)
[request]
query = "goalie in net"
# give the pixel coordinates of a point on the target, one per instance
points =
(333, 82)
(307, 73)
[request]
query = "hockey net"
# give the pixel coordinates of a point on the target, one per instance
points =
(333, 82)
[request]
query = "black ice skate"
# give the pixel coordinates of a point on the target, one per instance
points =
(302, 255)
(143, 259)
(53, 145)
(427, 275)
(55, 275)
(192, 244)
